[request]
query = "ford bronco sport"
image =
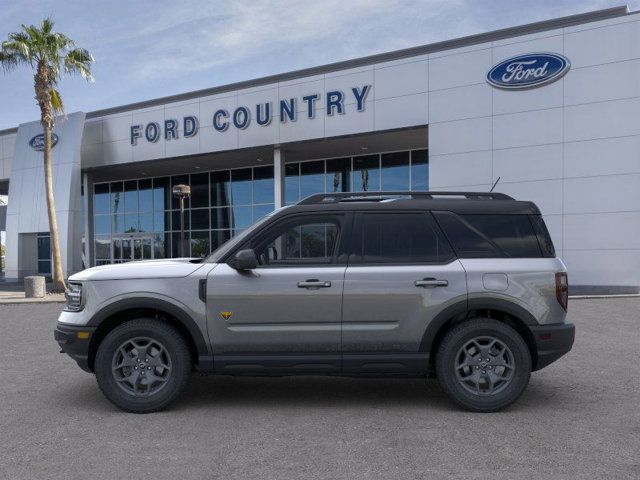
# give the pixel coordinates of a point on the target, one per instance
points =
(465, 287)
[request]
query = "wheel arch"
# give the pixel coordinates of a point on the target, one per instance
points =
(119, 312)
(504, 311)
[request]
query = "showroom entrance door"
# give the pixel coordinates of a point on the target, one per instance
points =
(131, 247)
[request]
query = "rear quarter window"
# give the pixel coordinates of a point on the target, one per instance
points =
(491, 235)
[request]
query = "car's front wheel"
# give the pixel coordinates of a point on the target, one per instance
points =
(483, 365)
(143, 365)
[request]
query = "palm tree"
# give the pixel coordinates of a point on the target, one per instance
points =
(48, 54)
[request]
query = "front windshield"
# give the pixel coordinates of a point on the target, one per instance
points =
(230, 244)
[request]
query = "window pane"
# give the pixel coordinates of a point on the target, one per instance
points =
(292, 183)
(175, 244)
(199, 190)
(175, 220)
(338, 175)
(200, 219)
(44, 266)
(219, 237)
(102, 224)
(103, 248)
(146, 222)
(161, 194)
(160, 245)
(131, 196)
(241, 186)
(420, 170)
(117, 190)
(220, 189)
(161, 221)
(242, 217)
(101, 198)
(263, 185)
(131, 223)
(179, 180)
(199, 244)
(311, 178)
(118, 223)
(401, 238)
(513, 234)
(467, 242)
(260, 211)
(366, 173)
(220, 218)
(117, 249)
(145, 195)
(44, 247)
(395, 171)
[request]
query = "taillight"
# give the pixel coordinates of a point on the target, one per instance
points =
(562, 289)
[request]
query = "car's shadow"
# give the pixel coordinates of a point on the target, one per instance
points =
(221, 392)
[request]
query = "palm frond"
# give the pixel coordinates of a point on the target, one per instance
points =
(79, 60)
(56, 101)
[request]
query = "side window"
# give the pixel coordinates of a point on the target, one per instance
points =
(399, 237)
(490, 235)
(303, 241)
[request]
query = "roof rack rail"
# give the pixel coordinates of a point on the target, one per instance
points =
(379, 196)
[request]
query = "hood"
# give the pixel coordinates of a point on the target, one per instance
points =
(174, 268)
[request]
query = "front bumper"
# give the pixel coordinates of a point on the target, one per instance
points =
(552, 342)
(74, 341)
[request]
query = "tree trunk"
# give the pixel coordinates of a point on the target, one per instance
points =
(58, 277)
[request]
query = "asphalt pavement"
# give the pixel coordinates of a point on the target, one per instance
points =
(579, 418)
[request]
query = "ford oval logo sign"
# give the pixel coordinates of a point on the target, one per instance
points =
(528, 71)
(37, 142)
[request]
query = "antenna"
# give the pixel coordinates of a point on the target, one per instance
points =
(494, 185)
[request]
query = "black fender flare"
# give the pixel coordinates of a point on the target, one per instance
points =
(202, 346)
(463, 307)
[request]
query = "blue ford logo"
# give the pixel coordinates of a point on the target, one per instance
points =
(528, 71)
(37, 142)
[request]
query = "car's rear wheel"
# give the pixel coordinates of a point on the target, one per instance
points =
(143, 365)
(483, 365)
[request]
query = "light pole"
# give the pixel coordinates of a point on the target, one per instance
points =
(181, 192)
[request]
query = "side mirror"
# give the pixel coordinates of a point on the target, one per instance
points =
(245, 260)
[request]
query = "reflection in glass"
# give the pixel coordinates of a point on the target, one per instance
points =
(218, 237)
(263, 185)
(338, 175)
(103, 247)
(220, 218)
(366, 173)
(161, 221)
(220, 189)
(395, 171)
(199, 190)
(241, 186)
(199, 244)
(145, 195)
(131, 196)
(292, 183)
(145, 223)
(260, 211)
(242, 217)
(175, 220)
(102, 224)
(101, 198)
(311, 178)
(160, 242)
(116, 197)
(161, 194)
(420, 170)
(118, 223)
(200, 219)
(131, 222)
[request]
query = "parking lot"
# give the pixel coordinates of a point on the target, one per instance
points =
(579, 418)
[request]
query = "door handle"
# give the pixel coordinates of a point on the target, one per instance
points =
(431, 283)
(313, 283)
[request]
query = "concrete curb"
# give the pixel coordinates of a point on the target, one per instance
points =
(50, 298)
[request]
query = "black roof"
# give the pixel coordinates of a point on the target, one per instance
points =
(457, 202)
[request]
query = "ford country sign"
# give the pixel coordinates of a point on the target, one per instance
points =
(37, 142)
(528, 71)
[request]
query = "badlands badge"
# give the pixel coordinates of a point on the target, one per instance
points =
(226, 315)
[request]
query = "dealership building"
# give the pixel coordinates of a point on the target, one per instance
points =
(550, 111)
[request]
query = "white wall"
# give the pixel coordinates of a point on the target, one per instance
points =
(572, 146)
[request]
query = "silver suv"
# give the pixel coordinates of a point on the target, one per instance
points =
(465, 287)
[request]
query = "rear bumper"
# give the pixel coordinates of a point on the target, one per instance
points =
(552, 342)
(74, 345)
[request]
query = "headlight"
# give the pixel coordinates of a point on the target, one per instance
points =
(74, 297)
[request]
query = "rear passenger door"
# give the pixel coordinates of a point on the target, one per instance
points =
(401, 274)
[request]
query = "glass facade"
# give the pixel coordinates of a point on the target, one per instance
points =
(140, 219)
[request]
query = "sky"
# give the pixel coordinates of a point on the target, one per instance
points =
(149, 49)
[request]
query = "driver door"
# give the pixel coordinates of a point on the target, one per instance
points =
(286, 313)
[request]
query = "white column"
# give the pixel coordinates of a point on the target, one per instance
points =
(87, 186)
(278, 177)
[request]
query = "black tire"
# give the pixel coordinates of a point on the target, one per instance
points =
(449, 355)
(175, 378)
